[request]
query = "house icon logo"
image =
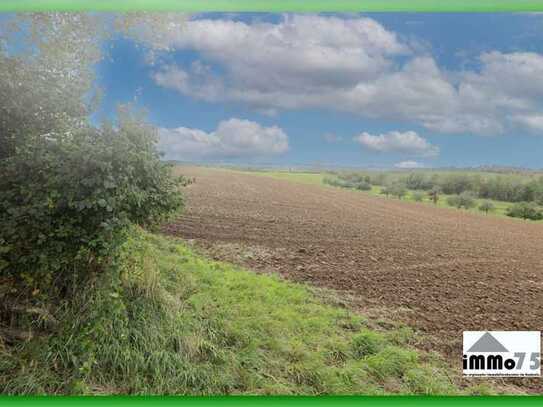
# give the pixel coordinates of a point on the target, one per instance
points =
(487, 343)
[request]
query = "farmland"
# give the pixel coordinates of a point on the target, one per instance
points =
(498, 207)
(440, 271)
(123, 272)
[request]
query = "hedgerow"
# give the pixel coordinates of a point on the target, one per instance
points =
(68, 197)
(68, 188)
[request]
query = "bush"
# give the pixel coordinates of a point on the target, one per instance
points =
(434, 194)
(363, 186)
(525, 210)
(453, 200)
(349, 180)
(464, 200)
(417, 196)
(67, 198)
(457, 183)
(385, 190)
(486, 206)
(397, 189)
(417, 181)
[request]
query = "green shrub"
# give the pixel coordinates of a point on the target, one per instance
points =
(453, 200)
(362, 186)
(486, 206)
(417, 196)
(67, 198)
(525, 210)
(434, 194)
(349, 180)
(417, 180)
(397, 189)
(385, 190)
(464, 200)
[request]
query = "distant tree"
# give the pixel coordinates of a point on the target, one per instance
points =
(417, 196)
(417, 180)
(453, 200)
(434, 194)
(385, 190)
(465, 200)
(362, 186)
(457, 183)
(379, 179)
(398, 189)
(486, 206)
(525, 210)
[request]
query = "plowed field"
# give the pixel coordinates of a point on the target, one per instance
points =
(439, 270)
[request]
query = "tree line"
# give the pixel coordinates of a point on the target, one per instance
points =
(463, 189)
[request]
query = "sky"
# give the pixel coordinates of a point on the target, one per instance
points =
(367, 90)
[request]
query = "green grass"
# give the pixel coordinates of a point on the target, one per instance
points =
(168, 321)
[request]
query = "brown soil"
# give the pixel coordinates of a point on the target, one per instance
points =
(439, 270)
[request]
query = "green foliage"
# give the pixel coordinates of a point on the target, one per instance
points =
(417, 180)
(513, 187)
(45, 81)
(349, 180)
(434, 194)
(162, 320)
(486, 206)
(417, 196)
(67, 198)
(465, 200)
(68, 189)
(397, 189)
(525, 210)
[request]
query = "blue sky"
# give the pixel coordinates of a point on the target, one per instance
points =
(378, 90)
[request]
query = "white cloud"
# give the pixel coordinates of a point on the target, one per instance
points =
(533, 122)
(233, 138)
(409, 143)
(409, 164)
(351, 65)
(300, 51)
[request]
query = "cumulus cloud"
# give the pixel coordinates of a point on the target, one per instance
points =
(233, 138)
(351, 65)
(409, 164)
(533, 122)
(299, 51)
(408, 143)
